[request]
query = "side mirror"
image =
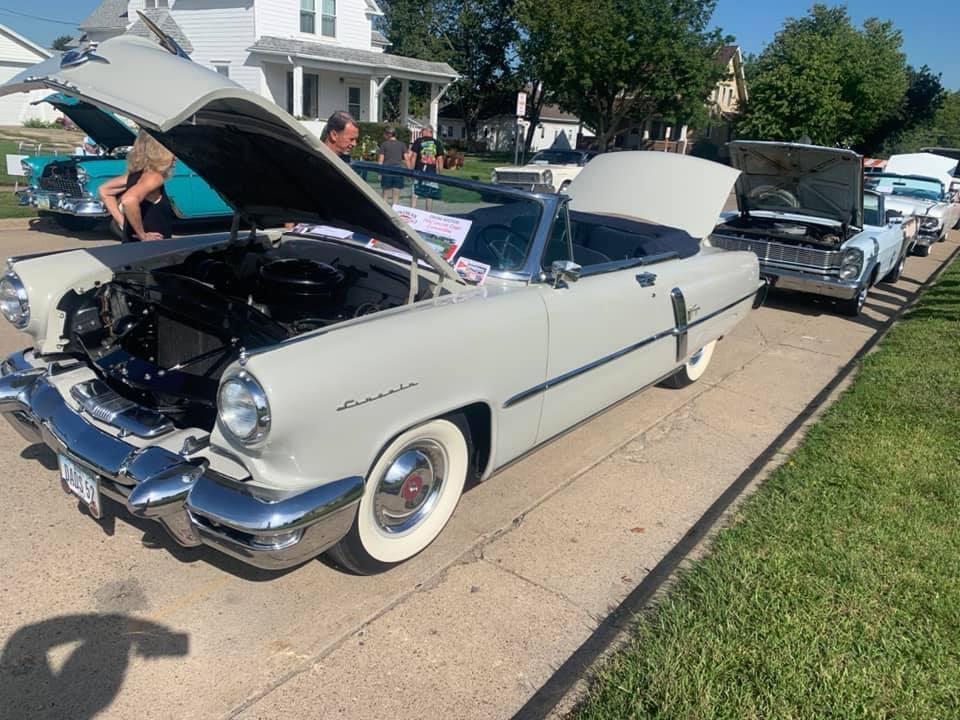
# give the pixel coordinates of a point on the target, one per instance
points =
(894, 216)
(564, 271)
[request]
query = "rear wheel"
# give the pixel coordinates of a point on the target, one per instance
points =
(693, 369)
(409, 496)
(921, 250)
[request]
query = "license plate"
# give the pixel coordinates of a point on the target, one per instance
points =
(82, 483)
(43, 202)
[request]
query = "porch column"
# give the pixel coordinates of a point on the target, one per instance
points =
(436, 92)
(404, 102)
(683, 140)
(297, 90)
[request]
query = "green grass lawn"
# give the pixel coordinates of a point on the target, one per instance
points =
(9, 207)
(836, 593)
(478, 167)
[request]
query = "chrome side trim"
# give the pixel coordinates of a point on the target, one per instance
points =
(680, 318)
(560, 379)
(674, 331)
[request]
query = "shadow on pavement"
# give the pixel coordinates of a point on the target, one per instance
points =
(89, 676)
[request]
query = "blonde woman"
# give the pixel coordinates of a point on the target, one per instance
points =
(137, 201)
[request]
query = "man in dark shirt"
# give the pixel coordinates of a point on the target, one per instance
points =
(393, 153)
(428, 158)
(340, 134)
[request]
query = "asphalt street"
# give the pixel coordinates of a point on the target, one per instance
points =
(111, 619)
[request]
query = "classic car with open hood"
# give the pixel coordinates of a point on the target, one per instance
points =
(922, 184)
(803, 210)
(277, 394)
(65, 186)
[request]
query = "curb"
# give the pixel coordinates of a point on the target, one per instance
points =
(562, 687)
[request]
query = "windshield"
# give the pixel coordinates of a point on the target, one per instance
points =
(558, 157)
(905, 186)
(477, 232)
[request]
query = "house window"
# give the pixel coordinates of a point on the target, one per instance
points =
(463, 132)
(308, 16)
(353, 101)
(328, 23)
(223, 69)
(311, 95)
(151, 4)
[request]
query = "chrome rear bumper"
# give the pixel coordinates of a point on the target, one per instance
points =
(196, 505)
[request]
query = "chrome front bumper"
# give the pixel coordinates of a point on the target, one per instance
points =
(61, 203)
(816, 284)
(196, 505)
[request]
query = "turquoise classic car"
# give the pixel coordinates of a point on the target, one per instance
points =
(64, 187)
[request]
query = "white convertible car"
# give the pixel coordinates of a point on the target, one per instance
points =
(803, 211)
(277, 394)
(550, 170)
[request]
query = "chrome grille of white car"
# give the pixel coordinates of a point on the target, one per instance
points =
(518, 177)
(776, 253)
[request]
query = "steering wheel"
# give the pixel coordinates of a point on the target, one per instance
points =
(776, 196)
(503, 247)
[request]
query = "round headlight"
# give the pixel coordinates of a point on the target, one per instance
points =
(493, 176)
(243, 409)
(548, 177)
(27, 168)
(851, 263)
(14, 303)
(82, 175)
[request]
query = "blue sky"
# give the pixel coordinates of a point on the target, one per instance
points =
(929, 29)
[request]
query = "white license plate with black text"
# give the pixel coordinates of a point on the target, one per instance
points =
(82, 483)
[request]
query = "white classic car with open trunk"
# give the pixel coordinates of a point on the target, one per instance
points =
(803, 210)
(277, 394)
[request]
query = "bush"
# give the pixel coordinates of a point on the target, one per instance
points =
(371, 135)
(39, 124)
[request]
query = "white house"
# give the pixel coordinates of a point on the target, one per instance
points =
(311, 57)
(499, 132)
(17, 53)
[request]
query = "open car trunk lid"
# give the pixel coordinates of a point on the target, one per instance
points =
(258, 157)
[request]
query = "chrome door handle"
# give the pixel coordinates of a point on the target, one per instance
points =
(647, 279)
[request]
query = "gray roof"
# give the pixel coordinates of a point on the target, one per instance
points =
(378, 60)
(108, 14)
(378, 38)
(165, 21)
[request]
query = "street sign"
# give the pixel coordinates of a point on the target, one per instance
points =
(521, 104)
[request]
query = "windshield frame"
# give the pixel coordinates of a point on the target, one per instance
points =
(548, 203)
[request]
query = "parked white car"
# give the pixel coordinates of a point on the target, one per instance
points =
(922, 185)
(278, 394)
(548, 170)
(803, 211)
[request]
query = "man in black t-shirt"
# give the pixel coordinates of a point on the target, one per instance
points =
(428, 158)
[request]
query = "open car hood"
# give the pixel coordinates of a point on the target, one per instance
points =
(104, 127)
(258, 157)
(679, 191)
(923, 165)
(803, 179)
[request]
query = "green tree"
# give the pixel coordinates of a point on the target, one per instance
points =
(942, 130)
(62, 42)
(615, 61)
(824, 79)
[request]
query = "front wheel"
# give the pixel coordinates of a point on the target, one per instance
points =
(409, 496)
(921, 250)
(853, 306)
(693, 369)
(894, 275)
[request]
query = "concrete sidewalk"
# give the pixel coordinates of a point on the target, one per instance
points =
(532, 562)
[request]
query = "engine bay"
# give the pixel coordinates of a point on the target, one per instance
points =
(162, 337)
(793, 232)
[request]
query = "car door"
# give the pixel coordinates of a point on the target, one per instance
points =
(889, 235)
(611, 332)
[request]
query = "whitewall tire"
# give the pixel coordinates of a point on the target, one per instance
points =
(409, 496)
(694, 368)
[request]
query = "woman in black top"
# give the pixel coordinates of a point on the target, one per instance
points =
(137, 201)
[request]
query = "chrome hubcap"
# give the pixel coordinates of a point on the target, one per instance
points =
(408, 490)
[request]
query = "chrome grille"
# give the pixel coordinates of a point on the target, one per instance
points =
(775, 253)
(67, 186)
(526, 178)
